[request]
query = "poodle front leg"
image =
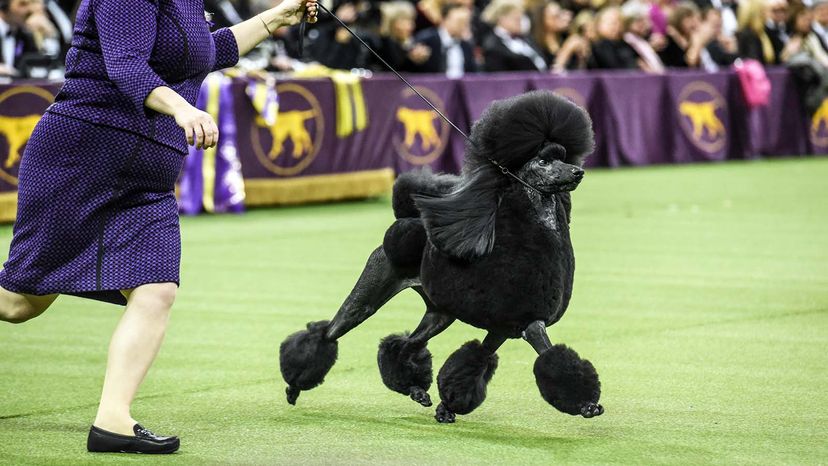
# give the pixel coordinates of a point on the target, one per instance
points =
(567, 382)
(404, 360)
(463, 378)
(306, 356)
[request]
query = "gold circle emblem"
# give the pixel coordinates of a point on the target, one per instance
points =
(290, 126)
(819, 125)
(17, 129)
(698, 107)
(418, 129)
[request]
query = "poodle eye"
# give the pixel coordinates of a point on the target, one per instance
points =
(542, 162)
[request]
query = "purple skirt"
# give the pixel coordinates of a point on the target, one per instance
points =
(96, 212)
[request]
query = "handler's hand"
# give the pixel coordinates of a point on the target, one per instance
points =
(293, 10)
(199, 127)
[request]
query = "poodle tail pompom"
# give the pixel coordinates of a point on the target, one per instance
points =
(566, 381)
(463, 378)
(404, 243)
(305, 357)
(404, 365)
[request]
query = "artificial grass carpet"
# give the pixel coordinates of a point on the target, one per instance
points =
(701, 296)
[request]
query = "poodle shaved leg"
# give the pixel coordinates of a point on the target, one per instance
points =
(378, 283)
(566, 381)
(307, 356)
(404, 360)
(463, 378)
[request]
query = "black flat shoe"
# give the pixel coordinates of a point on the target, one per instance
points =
(144, 441)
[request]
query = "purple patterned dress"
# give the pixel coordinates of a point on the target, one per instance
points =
(96, 204)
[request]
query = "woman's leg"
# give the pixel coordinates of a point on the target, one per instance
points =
(133, 348)
(17, 308)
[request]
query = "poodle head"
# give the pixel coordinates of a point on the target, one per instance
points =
(520, 129)
(540, 137)
(549, 173)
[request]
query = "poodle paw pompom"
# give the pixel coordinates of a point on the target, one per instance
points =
(405, 367)
(305, 358)
(463, 378)
(444, 415)
(567, 382)
(420, 396)
(592, 410)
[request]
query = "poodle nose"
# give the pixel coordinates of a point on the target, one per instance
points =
(578, 172)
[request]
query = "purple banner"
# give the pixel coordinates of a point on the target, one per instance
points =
(344, 124)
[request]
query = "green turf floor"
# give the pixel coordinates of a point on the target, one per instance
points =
(701, 296)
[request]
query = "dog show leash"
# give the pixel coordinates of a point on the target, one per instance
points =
(300, 47)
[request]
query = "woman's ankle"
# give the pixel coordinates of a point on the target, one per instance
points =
(117, 424)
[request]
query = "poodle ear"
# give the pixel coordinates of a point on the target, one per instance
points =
(566, 199)
(461, 223)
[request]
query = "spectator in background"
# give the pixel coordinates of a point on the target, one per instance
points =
(451, 51)
(687, 37)
(577, 48)
(803, 40)
(820, 23)
(610, 51)
(638, 30)
(753, 38)
(776, 25)
(549, 26)
(397, 38)
(429, 14)
(224, 12)
(23, 30)
(722, 50)
(506, 48)
(660, 11)
(335, 47)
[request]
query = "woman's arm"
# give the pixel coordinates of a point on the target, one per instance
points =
(250, 33)
(198, 126)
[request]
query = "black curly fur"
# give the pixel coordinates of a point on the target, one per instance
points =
(305, 357)
(418, 182)
(566, 381)
(512, 131)
(463, 378)
(404, 364)
(403, 244)
(461, 222)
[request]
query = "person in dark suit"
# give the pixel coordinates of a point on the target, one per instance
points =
(451, 50)
(610, 52)
(16, 42)
(507, 48)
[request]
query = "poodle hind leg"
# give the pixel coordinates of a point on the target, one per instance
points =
(463, 378)
(404, 360)
(306, 356)
(567, 382)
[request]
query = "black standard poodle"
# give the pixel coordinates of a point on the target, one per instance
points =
(490, 248)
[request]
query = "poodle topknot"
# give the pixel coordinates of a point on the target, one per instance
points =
(512, 131)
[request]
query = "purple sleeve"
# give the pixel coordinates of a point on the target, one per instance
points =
(127, 37)
(227, 50)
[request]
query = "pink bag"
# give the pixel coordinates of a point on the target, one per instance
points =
(755, 84)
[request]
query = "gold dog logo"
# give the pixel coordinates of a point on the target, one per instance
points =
(15, 130)
(819, 125)
(703, 118)
(419, 122)
(296, 137)
(700, 109)
(291, 125)
(421, 136)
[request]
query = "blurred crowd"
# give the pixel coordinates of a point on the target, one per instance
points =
(454, 37)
